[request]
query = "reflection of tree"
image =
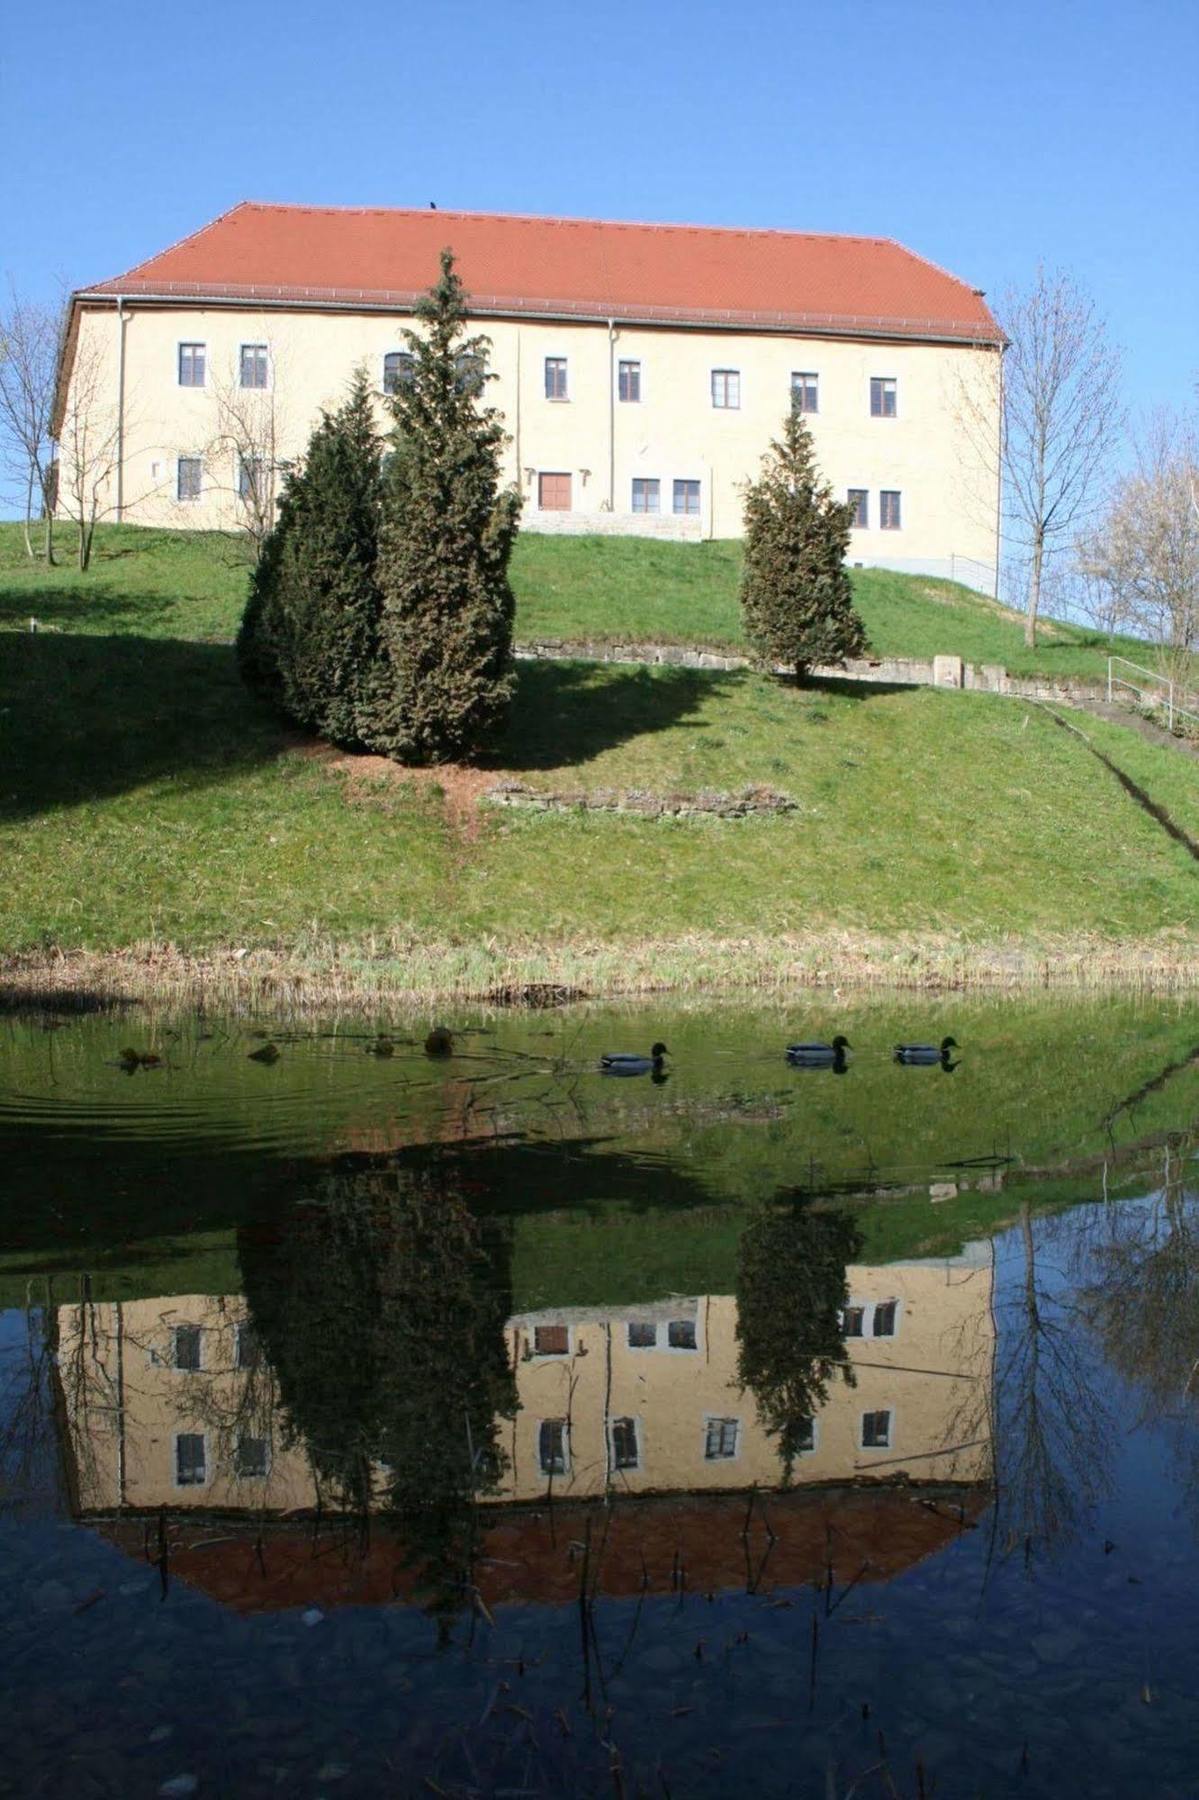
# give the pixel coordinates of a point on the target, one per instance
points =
(381, 1303)
(791, 1291)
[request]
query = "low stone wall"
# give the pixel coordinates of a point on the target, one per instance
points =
(708, 803)
(676, 528)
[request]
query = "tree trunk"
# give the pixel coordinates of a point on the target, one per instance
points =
(1034, 589)
(29, 514)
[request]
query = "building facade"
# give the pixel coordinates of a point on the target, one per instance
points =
(642, 371)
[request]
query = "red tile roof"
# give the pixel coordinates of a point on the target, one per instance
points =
(563, 268)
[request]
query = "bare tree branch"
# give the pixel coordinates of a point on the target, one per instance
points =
(29, 339)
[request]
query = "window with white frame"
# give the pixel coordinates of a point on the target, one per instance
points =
(251, 1458)
(884, 396)
(555, 378)
(399, 368)
(686, 498)
(191, 1459)
(254, 366)
(726, 389)
(551, 1340)
(186, 1348)
(647, 494)
(805, 391)
(859, 499)
(189, 478)
(876, 1429)
(628, 381)
(889, 516)
(553, 1447)
(852, 1321)
(721, 1437)
(680, 1334)
(626, 1451)
(191, 365)
(643, 1334)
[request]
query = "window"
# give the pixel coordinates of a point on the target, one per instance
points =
(251, 1459)
(253, 366)
(625, 1451)
(882, 396)
(628, 380)
(686, 497)
(191, 365)
(720, 1439)
(805, 392)
(643, 1334)
(249, 477)
(552, 1446)
(647, 491)
(188, 477)
(187, 1347)
(859, 499)
(805, 1435)
(876, 1430)
(553, 493)
(555, 378)
(249, 1350)
(399, 368)
(191, 1466)
(680, 1334)
(888, 510)
(884, 1318)
(470, 372)
(851, 1321)
(551, 1340)
(726, 388)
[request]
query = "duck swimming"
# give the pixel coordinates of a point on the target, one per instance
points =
(925, 1056)
(820, 1056)
(625, 1062)
(440, 1042)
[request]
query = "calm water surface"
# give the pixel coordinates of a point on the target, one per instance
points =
(376, 1424)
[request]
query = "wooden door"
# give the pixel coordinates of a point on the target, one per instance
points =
(553, 493)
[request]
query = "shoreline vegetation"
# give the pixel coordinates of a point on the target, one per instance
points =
(380, 973)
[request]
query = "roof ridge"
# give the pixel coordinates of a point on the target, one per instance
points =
(187, 238)
(929, 263)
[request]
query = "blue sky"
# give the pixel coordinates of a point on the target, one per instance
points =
(985, 136)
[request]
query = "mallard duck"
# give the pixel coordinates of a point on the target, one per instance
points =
(440, 1042)
(923, 1055)
(820, 1056)
(268, 1054)
(628, 1062)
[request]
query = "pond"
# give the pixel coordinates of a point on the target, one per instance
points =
(379, 1422)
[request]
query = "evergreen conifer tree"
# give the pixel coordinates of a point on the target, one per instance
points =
(445, 676)
(796, 595)
(310, 635)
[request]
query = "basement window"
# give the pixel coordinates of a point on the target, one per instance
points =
(680, 1334)
(551, 1340)
(643, 1334)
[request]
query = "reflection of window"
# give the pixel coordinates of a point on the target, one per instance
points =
(551, 1446)
(250, 1458)
(884, 1318)
(720, 1439)
(876, 1430)
(805, 1434)
(253, 366)
(187, 1346)
(851, 1321)
(680, 1334)
(647, 492)
(551, 1340)
(190, 1465)
(249, 1350)
(643, 1334)
(399, 368)
(625, 1453)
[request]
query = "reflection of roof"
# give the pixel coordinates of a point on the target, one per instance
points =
(531, 1555)
(563, 268)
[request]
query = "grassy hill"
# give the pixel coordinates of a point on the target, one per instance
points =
(144, 798)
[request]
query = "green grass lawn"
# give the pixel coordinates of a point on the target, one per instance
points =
(192, 585)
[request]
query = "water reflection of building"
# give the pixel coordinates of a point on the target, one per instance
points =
(169, 1402)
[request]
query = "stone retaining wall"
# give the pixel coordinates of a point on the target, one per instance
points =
(677, 528)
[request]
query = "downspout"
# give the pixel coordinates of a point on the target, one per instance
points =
(999, 475)
(120, 407)
(520, 473)
(611, 415)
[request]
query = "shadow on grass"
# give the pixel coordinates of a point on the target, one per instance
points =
(88, 718)
(567, 712)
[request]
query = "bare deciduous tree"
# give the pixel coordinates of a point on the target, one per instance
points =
(29, 339)
(89, 439)
(1062, 416)
(246, 451)
(1143, 554)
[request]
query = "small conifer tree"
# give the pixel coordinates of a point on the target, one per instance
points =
(796, 595)
(445, 677)
(309, 637)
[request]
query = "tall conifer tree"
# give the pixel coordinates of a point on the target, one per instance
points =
(796, 595)
(446, 627)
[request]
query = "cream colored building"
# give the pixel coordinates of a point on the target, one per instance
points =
(641, 371)
(167, 1402)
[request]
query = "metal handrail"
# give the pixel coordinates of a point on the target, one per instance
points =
(1174, 709)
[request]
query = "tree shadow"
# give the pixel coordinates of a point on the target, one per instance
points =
(566, 712)
(88, 718)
